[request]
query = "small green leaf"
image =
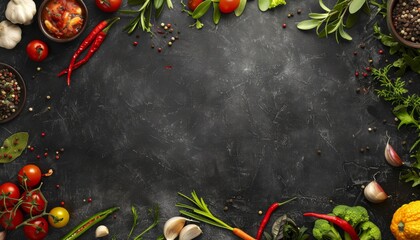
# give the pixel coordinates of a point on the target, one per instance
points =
(411, 176)
(356, 5)
(240, 9)
(158, 11)
(13, 147)
(169, 4)
(323, 6)
(308, 24)
(352, 20)
(415, 145)
(198, 24)
(343, 34)
(267, 236)
(263, 5)
(405, 118)
(216, 13)
(158, 3)
(318, 15)
(201, 9)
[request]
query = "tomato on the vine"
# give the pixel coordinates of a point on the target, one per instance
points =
(37, 50)
(11, 218)
(29, 175)
(9, 194)
(36, 229)
(33, 202)
(192, 4)
(108, 5)
(61, 217)
(228, 6)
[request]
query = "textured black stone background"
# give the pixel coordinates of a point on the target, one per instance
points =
(240, 116)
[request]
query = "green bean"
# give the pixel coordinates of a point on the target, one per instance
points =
(88, 223)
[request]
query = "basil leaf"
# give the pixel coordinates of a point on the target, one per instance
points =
(240, 9)
(216, 13)
(158, 3)
(13, 147)
(308, 24)
(356, 5)
(263, 5)
(201, 9)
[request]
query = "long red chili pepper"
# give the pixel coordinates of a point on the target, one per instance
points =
(343, 224)
(86, 42)
(99, 39)
(267, 216)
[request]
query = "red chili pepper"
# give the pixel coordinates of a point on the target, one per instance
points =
(86, 42)
(267, 216)
(100, 37)
(343, 224)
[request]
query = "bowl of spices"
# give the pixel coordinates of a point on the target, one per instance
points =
(62, 20)
(403, 19)
(12, 93)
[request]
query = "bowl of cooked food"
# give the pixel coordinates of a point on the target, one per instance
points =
(403, 20)
(12, 93)
(62, 20)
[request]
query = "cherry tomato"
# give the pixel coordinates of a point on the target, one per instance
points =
(29, 175)
(33, 202)
(61, 215)
(108, 5)
(9, 194)
(11, 218)
(228, 6)
(36, 229)
(37, 50)
(192, 4)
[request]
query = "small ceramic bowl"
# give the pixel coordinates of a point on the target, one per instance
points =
(22, 98)
(390, 7)
(54, 36)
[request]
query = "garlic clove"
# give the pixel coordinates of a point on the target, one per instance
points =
(3, 235)
(101, 231)
(392, 157)
(189, 232)
(374, 192)
(173, 227)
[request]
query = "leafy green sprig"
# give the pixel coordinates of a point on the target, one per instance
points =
(343, 14)
(406, 109)
(142, 16)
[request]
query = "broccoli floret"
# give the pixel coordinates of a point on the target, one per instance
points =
(275, 3)
(324, 230)
(353, 215)
(369, 231)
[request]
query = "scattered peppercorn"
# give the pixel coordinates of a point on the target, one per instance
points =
(43, 134)
(356, 74)
(299, 11)
(135, 43)
(406, 20)
(381, 51)
(284, 25)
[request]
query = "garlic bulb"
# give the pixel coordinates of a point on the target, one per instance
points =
(101, 231)
(374, 192)
(10, 34)
(189, 232)
(173, 227)
(21, 11)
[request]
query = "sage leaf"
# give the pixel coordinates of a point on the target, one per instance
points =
(356, 5)
(318, 15)
(201, 9)
(308, 24)
(13, 147)
(240, 9)
(263, 5)
(323, 6)
(216, 13)
(158, 3)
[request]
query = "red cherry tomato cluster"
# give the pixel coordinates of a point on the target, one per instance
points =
(27, 209)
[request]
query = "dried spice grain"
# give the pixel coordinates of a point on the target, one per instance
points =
(10, 94)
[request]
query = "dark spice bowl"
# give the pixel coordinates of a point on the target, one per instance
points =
(51, 19)
(7, 88)
(390, 19)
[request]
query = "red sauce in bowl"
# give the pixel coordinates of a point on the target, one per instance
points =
(63, 18)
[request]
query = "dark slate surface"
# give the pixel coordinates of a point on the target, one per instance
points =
(240, 116)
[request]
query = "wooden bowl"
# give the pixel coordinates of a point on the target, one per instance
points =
(22, 85)
(390, 7)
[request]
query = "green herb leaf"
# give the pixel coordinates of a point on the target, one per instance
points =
(404, 117)
(352, 20)
(240, 9)
(155, 213)
(158, 3)
(323, 6)
(318, 15)
(263, 5)
(135, 220)
(201, 9)
(308, 24)
(343, 34)
(13, 147)
(267, 236)
(216, 13)
(169, 4)
(411, 176)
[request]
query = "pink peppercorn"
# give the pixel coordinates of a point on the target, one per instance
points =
(284, 25)
(381, 51)
(135, 43)
(356, 74)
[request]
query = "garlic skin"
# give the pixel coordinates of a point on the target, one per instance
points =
(392, 157)
(173, 227)
(374, 193)
(101, 231)
(10, 34)
(189, 232)
(20, 11)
